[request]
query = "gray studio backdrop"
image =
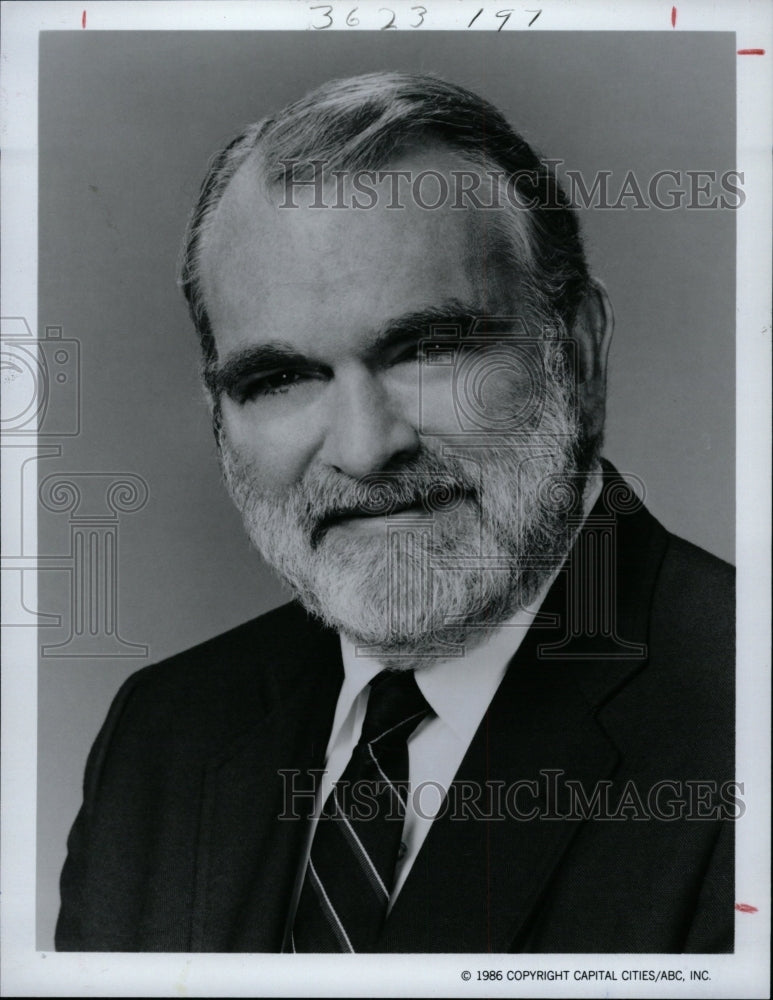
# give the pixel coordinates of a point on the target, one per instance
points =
(127, 124)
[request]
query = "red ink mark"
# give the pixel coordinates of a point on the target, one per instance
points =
(673, 17)
(751, 52)
(745, 908)
(83, 20)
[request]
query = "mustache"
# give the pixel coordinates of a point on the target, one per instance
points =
(425, 485)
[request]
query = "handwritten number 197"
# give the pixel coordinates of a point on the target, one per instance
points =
(504, 16)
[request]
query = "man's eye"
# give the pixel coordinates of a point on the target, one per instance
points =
(271, 385)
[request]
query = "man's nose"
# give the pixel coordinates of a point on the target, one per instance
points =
(366, 428)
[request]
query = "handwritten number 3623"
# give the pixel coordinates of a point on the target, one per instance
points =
(326, 14)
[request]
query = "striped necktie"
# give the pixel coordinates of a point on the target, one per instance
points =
(351, 868)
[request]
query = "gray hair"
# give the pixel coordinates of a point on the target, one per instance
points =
(362, 123)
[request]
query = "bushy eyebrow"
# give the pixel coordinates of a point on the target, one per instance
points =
(246, 361)
(452, 318)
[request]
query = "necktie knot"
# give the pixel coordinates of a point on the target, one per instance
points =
(395, 708)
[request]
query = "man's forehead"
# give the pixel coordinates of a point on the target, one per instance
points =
(259, 255)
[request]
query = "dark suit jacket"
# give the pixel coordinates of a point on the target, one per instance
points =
(627, 682)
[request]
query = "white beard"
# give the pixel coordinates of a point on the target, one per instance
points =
(500, 526)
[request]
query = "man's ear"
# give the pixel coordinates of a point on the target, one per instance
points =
(592, 333)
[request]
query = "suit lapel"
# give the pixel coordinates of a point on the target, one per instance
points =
(480, 875)
(252, 829)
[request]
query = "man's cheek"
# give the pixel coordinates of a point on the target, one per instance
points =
(277, 457)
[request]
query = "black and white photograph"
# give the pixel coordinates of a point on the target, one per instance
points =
(386, 464)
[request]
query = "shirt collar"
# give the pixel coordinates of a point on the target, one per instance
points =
(458, 689)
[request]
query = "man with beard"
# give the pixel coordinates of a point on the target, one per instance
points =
(498, 716)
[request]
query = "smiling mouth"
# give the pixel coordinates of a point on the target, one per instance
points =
(362, 515)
